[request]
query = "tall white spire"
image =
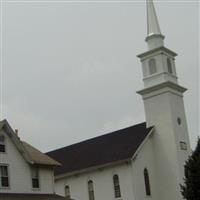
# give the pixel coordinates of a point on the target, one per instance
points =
(154, 36)
(152, 20)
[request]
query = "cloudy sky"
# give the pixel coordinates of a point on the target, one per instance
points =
(70, 70)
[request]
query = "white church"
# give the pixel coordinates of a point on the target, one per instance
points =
(144, 161)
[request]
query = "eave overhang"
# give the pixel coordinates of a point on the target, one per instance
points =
(166, 87)
(159, 49)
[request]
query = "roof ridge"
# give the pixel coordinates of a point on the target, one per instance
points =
(96, 137)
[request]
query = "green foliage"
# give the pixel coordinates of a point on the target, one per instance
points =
(191, 188)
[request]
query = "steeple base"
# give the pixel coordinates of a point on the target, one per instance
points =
(162, 88)
(155, 41)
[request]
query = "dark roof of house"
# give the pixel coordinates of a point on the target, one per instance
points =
(109, 148)
(25, 196)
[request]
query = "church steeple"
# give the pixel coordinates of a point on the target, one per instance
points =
(164, 109)
(158, 63)
(154, 36)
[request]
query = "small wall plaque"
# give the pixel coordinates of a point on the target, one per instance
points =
(183, 145)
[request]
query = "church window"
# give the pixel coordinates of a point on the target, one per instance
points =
(169, 65)
(179, 121)
(152, 66)
(4, 177)
(2, 144)
(147, 182)
(67, 192)
(116, 186)
(91, 190)
(35, 177)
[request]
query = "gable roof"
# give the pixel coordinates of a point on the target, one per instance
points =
(29, 153)
(38, 157)
(109, 148)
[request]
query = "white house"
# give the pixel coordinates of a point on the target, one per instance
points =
(25, 172)
(141, 162)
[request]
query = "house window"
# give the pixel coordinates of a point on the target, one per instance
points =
(35, 177)
(152, 66)
(2, 144)
(91, 190)
(67, 191)
(147, 183)
(4, 178)
(169, 65)
(116, 186)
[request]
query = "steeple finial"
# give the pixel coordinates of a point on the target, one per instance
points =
(154, 36)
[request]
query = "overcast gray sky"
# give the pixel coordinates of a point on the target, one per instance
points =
(70, 70)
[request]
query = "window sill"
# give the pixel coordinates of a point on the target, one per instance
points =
(157, 74)
(35, 189)
(5, 188)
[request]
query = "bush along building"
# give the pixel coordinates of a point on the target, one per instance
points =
(144, 161)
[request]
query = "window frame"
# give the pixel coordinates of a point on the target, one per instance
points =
(3, 143)
(8, 176)
(91, 194)
(152, 66)
(116, 185)
(33, 178)
(169, 66)
(67, 188)
(147, 182)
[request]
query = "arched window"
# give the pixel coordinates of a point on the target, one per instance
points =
(67, 191)
(169, 66)
(91, 190)
(116, 186)
(152, 66)
(147, 183)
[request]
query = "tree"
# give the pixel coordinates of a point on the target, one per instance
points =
(191, 188)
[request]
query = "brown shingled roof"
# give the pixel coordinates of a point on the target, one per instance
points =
(113, 147)
(38, 157)
(29, 153)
